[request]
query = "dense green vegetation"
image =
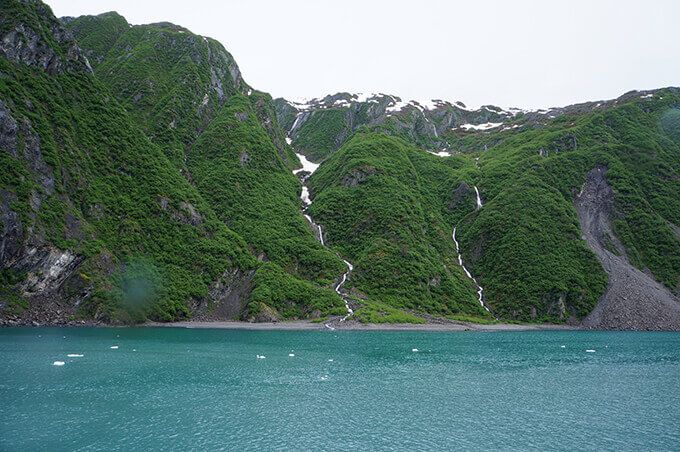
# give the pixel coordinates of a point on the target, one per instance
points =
(525, 241)
(167, 176)
(524, 245)
(152, 245)
(370, 199)
(236, 168)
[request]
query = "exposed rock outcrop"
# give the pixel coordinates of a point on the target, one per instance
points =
(354, 176)
(633, 300)
(22, 43)
(225, 297)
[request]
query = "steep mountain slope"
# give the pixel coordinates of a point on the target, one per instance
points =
(319, 127)
(142, 177)
(524, 246)
(188, 94)
(97, 222)
(371, 198)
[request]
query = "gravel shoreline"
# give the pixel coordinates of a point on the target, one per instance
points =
(303, 325)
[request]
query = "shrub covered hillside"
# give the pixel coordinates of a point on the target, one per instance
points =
(525, 245)
(521, 242)
(98, 221)
(380, 211)
(189, 96)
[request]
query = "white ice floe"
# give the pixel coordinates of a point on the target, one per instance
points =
(58, 363)
(330, 360)
(563, 346)
(74, 355)
(291, 354)
(261, 357)
(414, 349)
(590, 351)
(114, 347)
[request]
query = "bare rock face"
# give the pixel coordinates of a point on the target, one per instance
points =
(267, 315)
(46, 267)
(462, 192)
(355, 176)
(23, 44)
(225, 297)
(633, 300)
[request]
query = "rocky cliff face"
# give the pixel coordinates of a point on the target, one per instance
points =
(96, 223)
(633, 300)
(320, 126)
(50, 47)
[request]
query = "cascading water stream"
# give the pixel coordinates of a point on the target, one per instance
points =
(479, 199)
(310, 167)
(480, 290)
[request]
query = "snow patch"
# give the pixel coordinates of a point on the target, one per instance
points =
(308, 166)
(485, 126)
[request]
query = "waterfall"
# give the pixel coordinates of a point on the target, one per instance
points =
(434, 128)
(350, 267)
(479, 199)
(310, 167)
(467, 273)
(295, 123)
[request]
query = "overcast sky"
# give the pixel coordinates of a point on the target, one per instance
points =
(525, 53)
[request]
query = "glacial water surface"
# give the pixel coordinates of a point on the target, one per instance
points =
(195, 389)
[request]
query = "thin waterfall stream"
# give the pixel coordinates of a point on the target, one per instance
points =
(308, 168)
(480, 289)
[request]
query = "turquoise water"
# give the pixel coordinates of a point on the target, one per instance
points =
(176, 389)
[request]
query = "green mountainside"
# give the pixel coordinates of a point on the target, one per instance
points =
(100, 223)
(142, 177)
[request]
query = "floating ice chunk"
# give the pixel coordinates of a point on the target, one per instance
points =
(261, 357)
(291, 354)
(325, 377)
(563, 346)
(134, 349)
(58, 363)
(330, 360)
(590, 351)
(74, 355)
(414, 349)
(114, 347)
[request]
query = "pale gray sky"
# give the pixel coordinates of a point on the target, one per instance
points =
(522, 53)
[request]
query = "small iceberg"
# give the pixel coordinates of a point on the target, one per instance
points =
(291, 354)
(330, 360)
(114, 347)
(58, 363)
(261, 357)
(74, 355)
(563, 346)
(414, 349)
(325, 377)
(590, 351)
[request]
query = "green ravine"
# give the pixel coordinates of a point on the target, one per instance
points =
(141, 177)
